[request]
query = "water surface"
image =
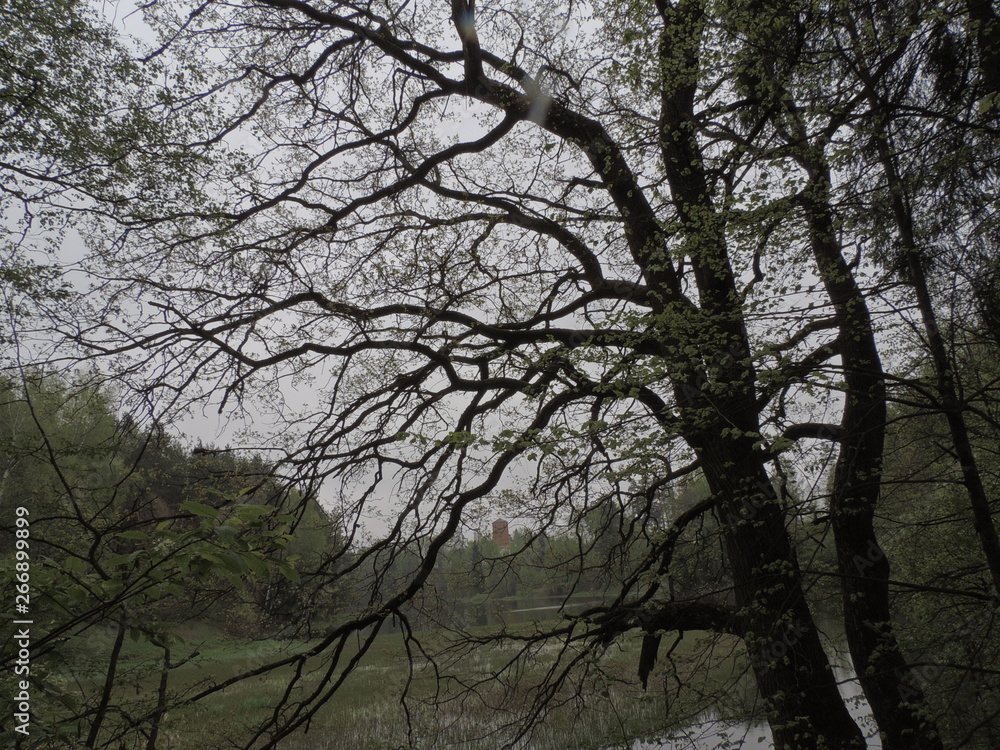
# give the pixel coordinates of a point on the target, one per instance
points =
(713, 734)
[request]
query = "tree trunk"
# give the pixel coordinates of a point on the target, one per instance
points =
(101, 712)
(717, 402)
(790, 666)
(896, 704)
(947, 387)
(161, 698)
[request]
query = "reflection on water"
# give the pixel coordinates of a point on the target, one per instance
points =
(713, 734)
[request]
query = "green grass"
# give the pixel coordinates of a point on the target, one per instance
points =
(606, 708)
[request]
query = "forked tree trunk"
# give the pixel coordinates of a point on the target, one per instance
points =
(717, 401)
(791, 668)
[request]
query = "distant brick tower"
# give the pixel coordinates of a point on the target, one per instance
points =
(501, 534)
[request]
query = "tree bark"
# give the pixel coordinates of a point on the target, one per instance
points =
(986, 31)
(863, 566)
(789, 663)
(718, 404)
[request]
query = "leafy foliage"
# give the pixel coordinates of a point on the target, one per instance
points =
(554, 261)
(130, 533)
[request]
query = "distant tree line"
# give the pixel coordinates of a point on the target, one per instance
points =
(607, 253)
(132, 535)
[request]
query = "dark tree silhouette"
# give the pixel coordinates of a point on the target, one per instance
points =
(572, 254)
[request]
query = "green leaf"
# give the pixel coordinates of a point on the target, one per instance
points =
(250, 512)
(173, 589)
(231, 562)
(256, 564)
(289, 572)
(74, 565)
(200, 509)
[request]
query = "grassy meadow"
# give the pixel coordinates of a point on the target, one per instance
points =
(606, 708)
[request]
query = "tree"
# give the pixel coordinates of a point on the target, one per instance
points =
(123, 534)
(947, 614)
(927, 238)
(589, 250)
(81, 135)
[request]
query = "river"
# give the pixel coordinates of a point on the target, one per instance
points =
(712, 734)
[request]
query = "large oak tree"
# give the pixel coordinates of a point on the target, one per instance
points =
(577, 251)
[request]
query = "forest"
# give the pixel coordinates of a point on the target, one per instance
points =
(702, 297)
